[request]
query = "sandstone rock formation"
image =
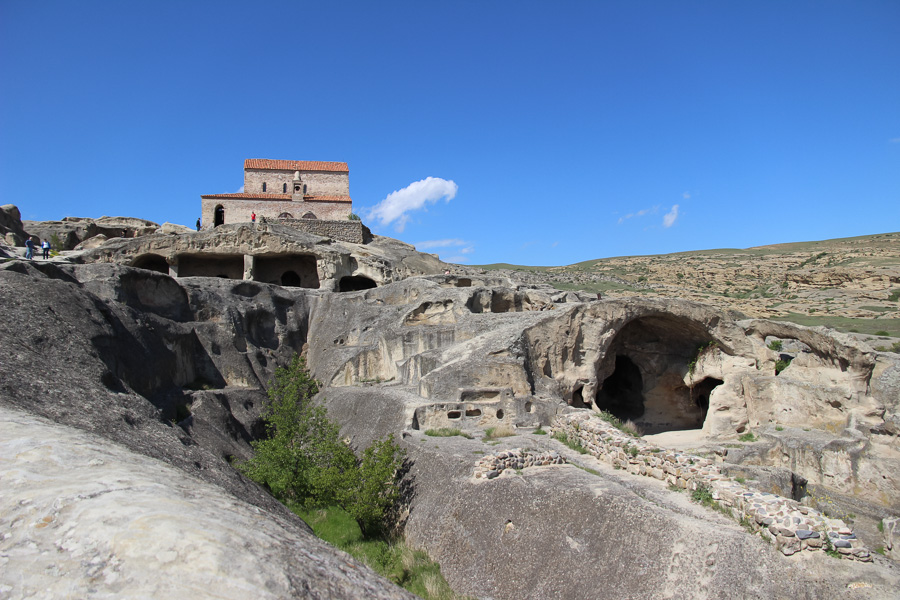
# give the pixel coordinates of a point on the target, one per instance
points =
(175, 368)
(72, 231)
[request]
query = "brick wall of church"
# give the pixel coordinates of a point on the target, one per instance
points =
(318, 183)
(239, 211)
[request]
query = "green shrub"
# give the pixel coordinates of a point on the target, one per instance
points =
(573, 443)
(492, 433)
(747, 437)
(628, 426)
(882, 333)
(775, 345)
(781, 365)
(539, 431)
(303, 461)
(895, 295)
(354, 217)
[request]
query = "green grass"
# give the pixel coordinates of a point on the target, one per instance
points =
(747, 437)
(393, 559)
(447, 432)
(574, 444)
(492, 433)
(539, 431)
(627, 427)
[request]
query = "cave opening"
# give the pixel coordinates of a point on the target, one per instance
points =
(290, 279)
(151, 262)
(622, 392)
(701, 391)
(355, 283)
(642, 375)
(288, 270)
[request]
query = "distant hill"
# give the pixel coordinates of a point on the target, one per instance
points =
(850, 284)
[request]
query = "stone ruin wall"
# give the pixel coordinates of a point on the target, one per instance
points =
(353, 232)
(238, 210)
(792, 526)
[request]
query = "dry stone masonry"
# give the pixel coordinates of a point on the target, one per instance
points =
(492, 465)
(793, 527)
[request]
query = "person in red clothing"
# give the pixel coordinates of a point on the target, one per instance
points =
(253, 217)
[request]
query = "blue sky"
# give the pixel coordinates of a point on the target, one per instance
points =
(552, 132)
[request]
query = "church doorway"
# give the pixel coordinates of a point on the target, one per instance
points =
(219, 218)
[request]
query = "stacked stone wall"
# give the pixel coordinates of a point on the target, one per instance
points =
(793, 526)
(492, 465)
(346, 231)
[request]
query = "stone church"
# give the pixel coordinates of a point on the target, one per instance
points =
(283, 189)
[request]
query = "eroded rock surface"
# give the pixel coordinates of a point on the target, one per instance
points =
(175, 368)
(85, 518)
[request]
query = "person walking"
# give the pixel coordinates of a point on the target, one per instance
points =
(253, 217)
(199, 224)
(29, 249)
(45, 246)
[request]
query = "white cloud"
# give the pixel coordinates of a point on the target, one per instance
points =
(894, 140)
(449, 243)
(454, 245)
(240, 190)
(669, 218)
(686, 195)
(641, 213)
(396, 205)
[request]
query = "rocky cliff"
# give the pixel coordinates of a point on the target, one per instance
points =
(143, 387)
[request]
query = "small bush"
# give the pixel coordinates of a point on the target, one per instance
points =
(629, 426)
(492, 433)
(775, 345)
(702, 495)
(880, 526)
(882, 333)
(747, 437)
(895, 296)
(779, 428)
(354, 217)
(447, 432)
(781, 365)
(303, 461)
(539, 431)
(880, 550)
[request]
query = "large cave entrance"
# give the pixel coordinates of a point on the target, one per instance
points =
(355, 283)
(151, 262)
(288, 270)
(227, 266)
(642, 375)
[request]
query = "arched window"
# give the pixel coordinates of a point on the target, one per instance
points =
(308, 215)
(219, 218)
(285, 215)
(304, 188)
(264, 186)
(284, 188)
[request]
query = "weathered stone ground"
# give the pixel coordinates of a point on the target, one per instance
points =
(165, 376)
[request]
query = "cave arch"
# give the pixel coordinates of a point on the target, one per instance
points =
(151, 262)
(642, 375)
(355, 283)
(290, 279)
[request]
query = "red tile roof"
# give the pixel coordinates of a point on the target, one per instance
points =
(295, 165)
(249, 196)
